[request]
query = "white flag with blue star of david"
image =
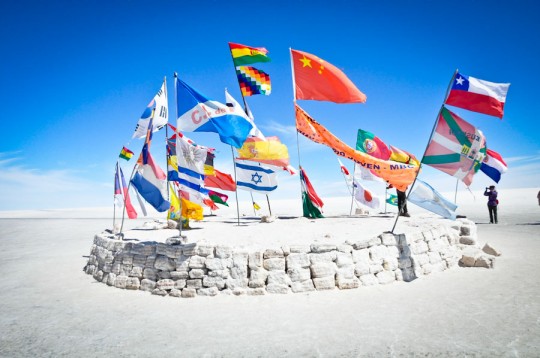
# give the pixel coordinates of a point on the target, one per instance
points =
(254, 177)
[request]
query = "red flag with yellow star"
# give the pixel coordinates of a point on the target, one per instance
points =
(319, 80)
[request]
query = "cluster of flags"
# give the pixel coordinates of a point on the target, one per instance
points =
(456, 147)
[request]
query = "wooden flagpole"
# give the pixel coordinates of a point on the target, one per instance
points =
(427, 146)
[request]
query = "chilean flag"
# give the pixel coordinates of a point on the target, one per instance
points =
(478, 95)
(494, 165)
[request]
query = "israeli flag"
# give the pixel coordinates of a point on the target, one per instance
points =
(254, 177)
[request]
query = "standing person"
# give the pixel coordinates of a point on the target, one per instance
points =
(402, 203)
(538, 197)
(492, 203)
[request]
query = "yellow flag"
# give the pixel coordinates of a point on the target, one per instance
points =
(268, 151)
(256, 206)
(174, 209)
(190, 210)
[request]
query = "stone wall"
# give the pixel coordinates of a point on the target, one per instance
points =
(187, 270)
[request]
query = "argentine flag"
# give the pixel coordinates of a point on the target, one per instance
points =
(196, 113)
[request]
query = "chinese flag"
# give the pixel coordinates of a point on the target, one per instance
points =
(321, 81)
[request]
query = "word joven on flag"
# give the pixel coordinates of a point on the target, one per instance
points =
(199, 114)
(319, 80)
(478, 95)
(456, 147)
(397, 174)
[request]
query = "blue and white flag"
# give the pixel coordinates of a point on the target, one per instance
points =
(196, 113)
(253, 177)
(430, 199)
(149, 180)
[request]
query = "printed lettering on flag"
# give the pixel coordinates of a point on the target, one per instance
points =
(400, 175)
(456, 147)
(196, 113)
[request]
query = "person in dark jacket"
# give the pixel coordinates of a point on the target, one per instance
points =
(492, 203)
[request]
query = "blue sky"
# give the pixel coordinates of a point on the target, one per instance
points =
(76, 76)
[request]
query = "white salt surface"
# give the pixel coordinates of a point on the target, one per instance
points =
(51, 308)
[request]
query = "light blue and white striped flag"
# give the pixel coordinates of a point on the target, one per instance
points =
(430, 199)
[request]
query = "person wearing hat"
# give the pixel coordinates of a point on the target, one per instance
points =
(492, 203)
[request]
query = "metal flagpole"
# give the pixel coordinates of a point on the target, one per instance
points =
(253, 204)
(236, 191)
(455, 194)
(427, 146)
(385, 195)
(181, 222)
(269, 208)
(352, 192)
(114, 201)
(297, 137)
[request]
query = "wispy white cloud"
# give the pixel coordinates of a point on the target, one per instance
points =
(22, 187)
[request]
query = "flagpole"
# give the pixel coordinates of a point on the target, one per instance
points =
(268, 201)
(114, 204)
(297, 137)
(236, 191)
(181, 222)
(253, 203)
(427, 146)
(385, 195)
(167, 139)
(352, 192)
(455, 194)
(128, 187)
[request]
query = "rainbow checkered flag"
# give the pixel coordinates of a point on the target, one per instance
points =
(253, 81)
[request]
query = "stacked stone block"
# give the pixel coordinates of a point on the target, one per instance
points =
(188, 270)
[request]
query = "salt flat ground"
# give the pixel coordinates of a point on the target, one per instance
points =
(49, 307)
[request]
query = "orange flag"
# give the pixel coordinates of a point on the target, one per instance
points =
(398, 174)
(319, 80)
